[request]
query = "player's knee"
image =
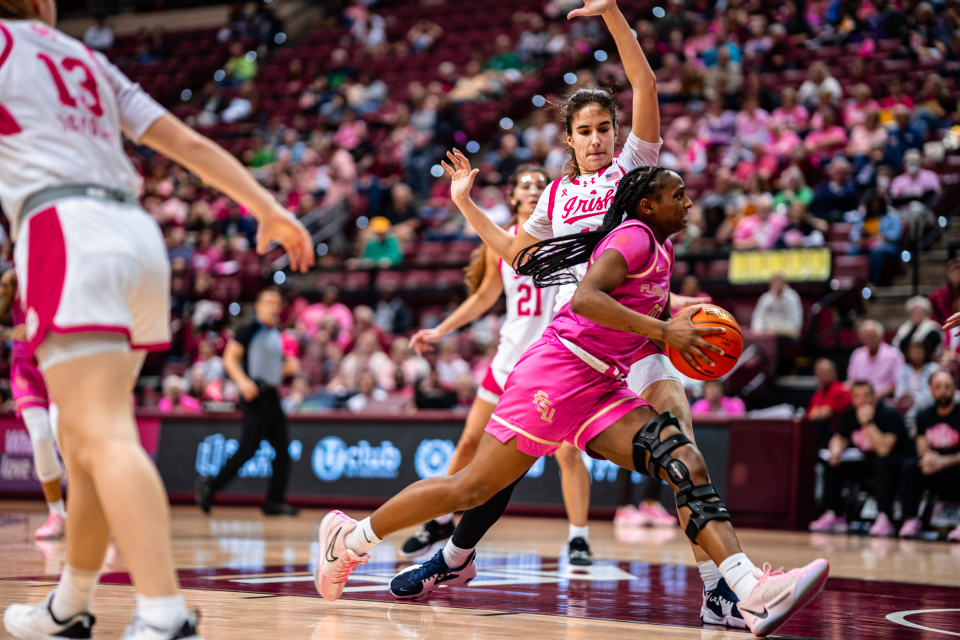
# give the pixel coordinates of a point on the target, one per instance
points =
(467, 446)
(568, 457)
(473, 494)
(693, 460)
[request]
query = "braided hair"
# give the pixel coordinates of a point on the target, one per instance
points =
(548, 261)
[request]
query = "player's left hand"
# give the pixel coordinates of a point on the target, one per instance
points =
(461, 175)
(19, 333)
(282, 227)
(593, 8)
(952, 322)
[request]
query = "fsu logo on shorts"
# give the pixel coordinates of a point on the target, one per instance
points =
(32, 322)
(544, 406)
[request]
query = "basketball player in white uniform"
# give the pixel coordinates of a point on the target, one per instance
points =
(529, 311)
(579, 201)
(95, 288)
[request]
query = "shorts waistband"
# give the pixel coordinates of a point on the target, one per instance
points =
(44, 197)
(608, 370)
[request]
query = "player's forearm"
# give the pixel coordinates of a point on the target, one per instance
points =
(231, 364)
(471, 309)
(639, 73)
(211, 162)
(598, 306)
(495, 237)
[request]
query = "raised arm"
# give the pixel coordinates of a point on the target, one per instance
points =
(175, 140)
(592, 300)
(478, 303)
(646, 110)
(497, 239)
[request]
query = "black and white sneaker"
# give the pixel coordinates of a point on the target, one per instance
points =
(720, 607)
(37, 622)
(429, 535)
(187, 630)
(420, 579)
(579, 553)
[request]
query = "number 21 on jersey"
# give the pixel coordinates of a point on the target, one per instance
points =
(529, 302)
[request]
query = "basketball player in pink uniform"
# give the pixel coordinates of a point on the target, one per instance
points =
(577, 203)
(94, 284)
(529, 312)
(33, 407)
(570, 387)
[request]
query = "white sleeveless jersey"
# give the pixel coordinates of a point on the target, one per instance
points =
(62, 111)
(573, 206)
(529, 312)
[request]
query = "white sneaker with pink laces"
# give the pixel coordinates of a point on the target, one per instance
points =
(627, 515)
(335, 562)
(829, 522)
(54, 527)
(779, 595)
(882, 527)
(654, 515)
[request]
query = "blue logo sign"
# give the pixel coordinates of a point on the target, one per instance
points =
(537, 469)
(333, 459)
(433, 458)
(215, 450)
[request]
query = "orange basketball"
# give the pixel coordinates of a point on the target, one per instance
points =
(730, 342)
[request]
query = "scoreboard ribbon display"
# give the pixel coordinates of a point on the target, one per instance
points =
(796, 265)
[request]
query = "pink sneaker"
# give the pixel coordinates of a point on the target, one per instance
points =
(882, 527)
(54, 527)
(912, 528)
(335, 562)
(654, 515)
(779, 595)
(829, 522)
(954, 536)
(627, 514)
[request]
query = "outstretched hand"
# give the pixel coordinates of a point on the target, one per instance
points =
(282, 227)
(461, 174)
(952, 322)
(423, 340)
(592, 8)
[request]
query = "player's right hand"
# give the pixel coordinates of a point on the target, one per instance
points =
(422, 340)
(687, 338)
(19, 333)
(281, 226)
(952, 322)
(592, 8)
(248, 389)
(461, 174)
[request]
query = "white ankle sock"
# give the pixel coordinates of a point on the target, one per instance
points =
(454, 556)
(362, 539)
(444, 519)
(58, 508)
(578, 532)
(710, 574)
(163, 612)
(737, 570)
(74, 592)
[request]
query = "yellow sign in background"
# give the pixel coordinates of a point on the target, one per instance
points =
(796, 265)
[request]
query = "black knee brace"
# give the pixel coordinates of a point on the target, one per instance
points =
(701, 512)
(690, 496)
(648, 440)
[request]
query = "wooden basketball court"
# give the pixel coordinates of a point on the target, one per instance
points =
(250, 578)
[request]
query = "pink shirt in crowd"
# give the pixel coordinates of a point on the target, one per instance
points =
(187, 404)
(908, 186)
(795, 118)
(862, 140)
(728, 406)
(764, 232)
(880, 370)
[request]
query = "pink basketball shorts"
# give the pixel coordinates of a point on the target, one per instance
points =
(27, 386)
(552, 396)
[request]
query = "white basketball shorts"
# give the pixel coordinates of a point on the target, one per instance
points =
(87, 266)
(653, 368)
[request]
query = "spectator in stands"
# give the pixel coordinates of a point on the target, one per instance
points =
(392, 313)
(790, 113)
(408, 366)
(690, 287)
(903, 136)
(827, 138)
(174, 400)
(818, 81)
(942, 299)
(829, 401)
(311, 318)
(876, 231)
(240, 67)
(365, 356)
(935, 109)
(793, 188)
(505, 58)
(761, 230)
(687, 154)
(918, 328)
(937, 465)
(242, 106)
(724, 79)
(857, 107)
(803, 229)
(176, 244)
(367, 392)
(896, 97)
(868, 140)
(380, 248)
(206, 255)
(505, 160)
(299, 391)
(752, 123)
(781, 144)
(915, 183)
(430, 394)
(779, 311)
(718, 125)
(99, 35)
(912, 393)
(716, 403)
(207, 362)
(474, 85)
(450, 366)
(876, 361)
(882, 445)
(532, 44)
(541, 136)
(837, 194)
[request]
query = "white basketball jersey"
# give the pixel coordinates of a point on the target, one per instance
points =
(573, 206)
(62, 111)
(529, 313)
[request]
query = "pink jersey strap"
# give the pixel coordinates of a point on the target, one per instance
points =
(553, 198)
